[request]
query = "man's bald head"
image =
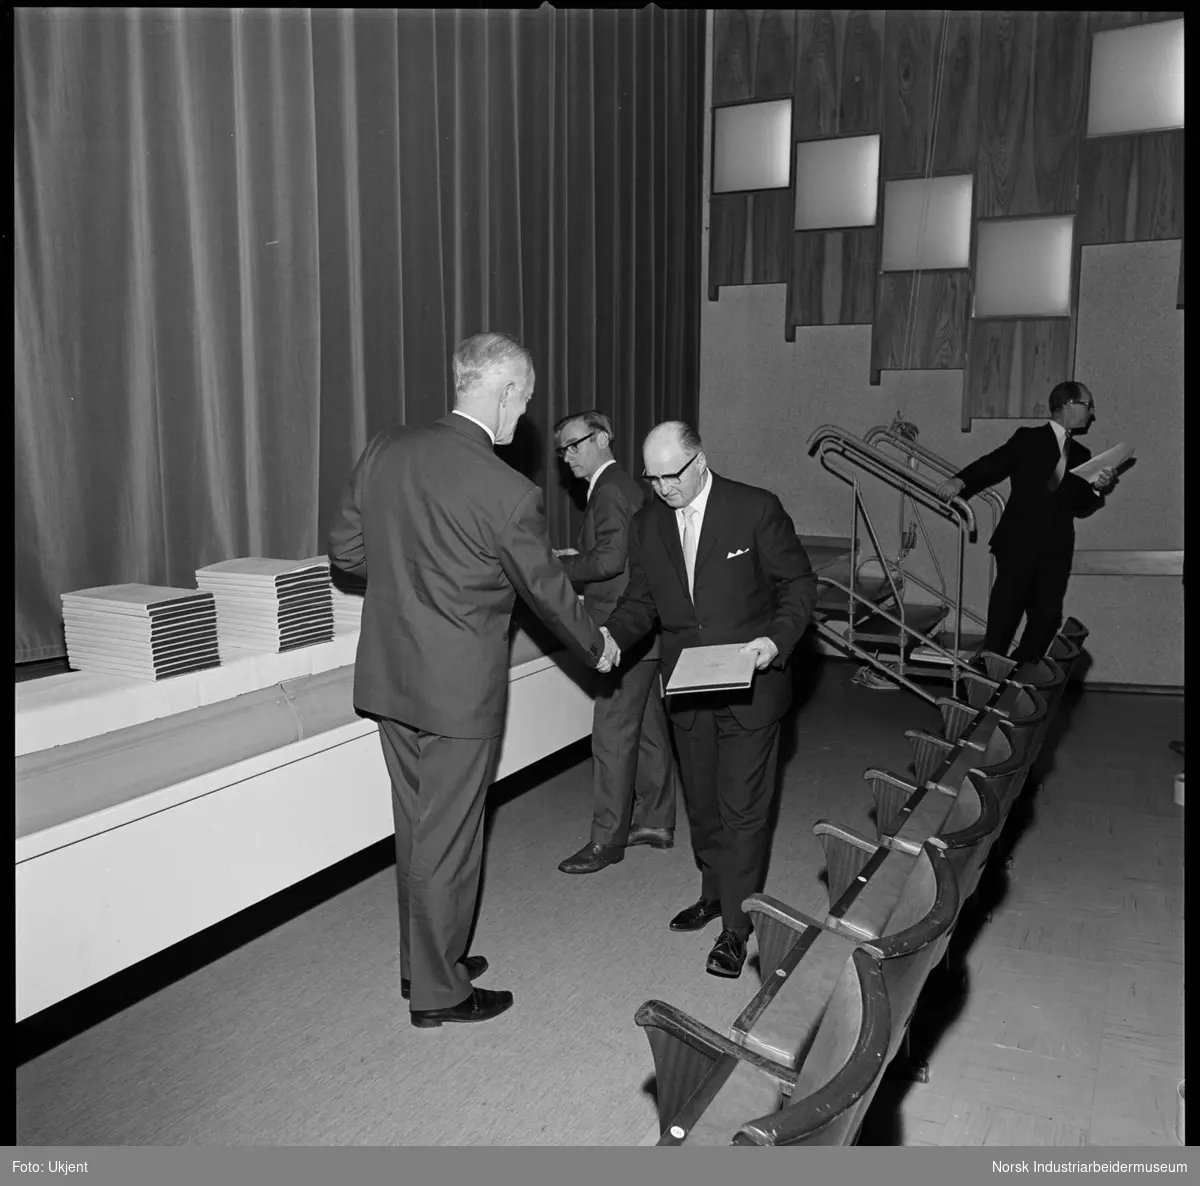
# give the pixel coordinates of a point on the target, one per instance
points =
(673, 455)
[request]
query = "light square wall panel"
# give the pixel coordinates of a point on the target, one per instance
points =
(1023, 267)
(837, 183)
(1136, 80)
(752, 146)
(927, 224)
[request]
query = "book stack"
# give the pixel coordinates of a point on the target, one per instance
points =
(348, 593)
(269, 605)
(141, 631)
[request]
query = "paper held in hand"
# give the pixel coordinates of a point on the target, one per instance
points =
(1109, 459)
(712, 669)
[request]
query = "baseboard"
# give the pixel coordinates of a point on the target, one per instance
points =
(1142, 689)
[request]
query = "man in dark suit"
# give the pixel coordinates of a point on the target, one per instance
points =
(446, 535)
(634, 780)
(1034, 541)
(711, 562)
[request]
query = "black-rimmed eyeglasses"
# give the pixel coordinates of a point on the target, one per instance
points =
(1083, 404)
(573, 446)
(659, 479)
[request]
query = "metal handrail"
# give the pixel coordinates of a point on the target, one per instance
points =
(992, 497)
(829, 436)
(899, 476)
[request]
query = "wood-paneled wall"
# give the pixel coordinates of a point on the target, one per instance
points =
(999, 95)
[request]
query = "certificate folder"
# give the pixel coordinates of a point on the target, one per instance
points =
(1112, 458)
(712, 669)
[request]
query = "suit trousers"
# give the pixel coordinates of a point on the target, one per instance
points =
(634, 780)
(729, 785)
(439, 785)
(1030, 582)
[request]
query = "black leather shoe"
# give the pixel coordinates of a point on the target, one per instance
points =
(654, 837)
(728, 955)
(697, 915)
(591, 858)
(482, 1005)
(475, 965)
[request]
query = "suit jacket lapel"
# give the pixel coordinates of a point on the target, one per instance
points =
(714, 523)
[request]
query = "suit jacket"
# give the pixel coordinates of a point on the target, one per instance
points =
(1034, 516)
(601, 570)
(450, 535)
(752, 579)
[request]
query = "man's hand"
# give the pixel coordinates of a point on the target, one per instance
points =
(564, 551)
(612, 653)
(950, 489)
(1104, 479)
(764, 649)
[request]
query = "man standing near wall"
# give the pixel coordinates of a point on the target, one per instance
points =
(634, 779)
(1034, 541)
(716, 562)
(446, 535)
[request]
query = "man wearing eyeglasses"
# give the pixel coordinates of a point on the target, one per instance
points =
(634, 780)
(713, 561)
(1034, 541)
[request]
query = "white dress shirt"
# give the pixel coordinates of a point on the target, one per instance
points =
(599, 471)
(1061, 433)
(491, 435)
(698, 504)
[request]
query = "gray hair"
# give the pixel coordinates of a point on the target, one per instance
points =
(595, 421)
(478, 354)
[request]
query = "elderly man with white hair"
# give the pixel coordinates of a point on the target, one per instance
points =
(447, 535)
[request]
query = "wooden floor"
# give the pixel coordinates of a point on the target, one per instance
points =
(287, 1027)
(1071, 1031)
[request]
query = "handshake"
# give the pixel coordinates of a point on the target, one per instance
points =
(612, 653)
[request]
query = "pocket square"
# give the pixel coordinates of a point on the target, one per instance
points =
(739, 552)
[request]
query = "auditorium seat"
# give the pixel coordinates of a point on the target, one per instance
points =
(713, 1092)
(890, 875)
(841, 1072)
(706, 1086)
(779, 1021)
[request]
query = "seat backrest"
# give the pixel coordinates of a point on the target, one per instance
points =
(842, 1070)
(917, 933)
(847, 855)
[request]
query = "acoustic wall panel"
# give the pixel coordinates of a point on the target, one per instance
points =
(1136, 79)
(837, 182)
(927, 224)
(752, 146)
(1023, 267)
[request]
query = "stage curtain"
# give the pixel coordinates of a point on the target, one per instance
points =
(246, 240)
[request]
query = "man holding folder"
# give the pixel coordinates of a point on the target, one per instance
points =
(1034, 542)
(715, 562)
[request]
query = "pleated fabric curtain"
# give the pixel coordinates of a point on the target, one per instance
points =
(246, 240)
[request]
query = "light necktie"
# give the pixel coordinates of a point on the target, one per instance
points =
(689, 545)
(1060, 470)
